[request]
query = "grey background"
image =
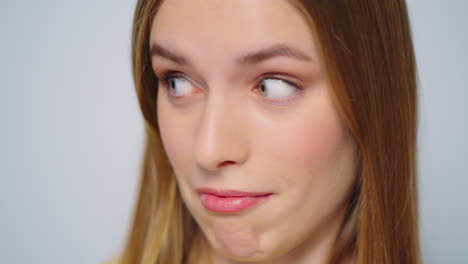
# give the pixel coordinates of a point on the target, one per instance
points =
(71, 133)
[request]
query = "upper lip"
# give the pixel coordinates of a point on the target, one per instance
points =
(230, 193)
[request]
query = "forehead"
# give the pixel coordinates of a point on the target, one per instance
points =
(228, 26)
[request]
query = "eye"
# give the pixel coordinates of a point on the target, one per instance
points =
(178, 86)
(276, 89)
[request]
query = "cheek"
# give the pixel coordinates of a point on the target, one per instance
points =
(173, 127)
(307, 158)
(306, 145)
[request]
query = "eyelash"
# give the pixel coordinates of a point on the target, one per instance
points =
(168, 75)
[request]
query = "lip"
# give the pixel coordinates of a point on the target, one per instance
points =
(230, 201)
(230, 193)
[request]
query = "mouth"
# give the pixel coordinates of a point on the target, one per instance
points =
(230, 201)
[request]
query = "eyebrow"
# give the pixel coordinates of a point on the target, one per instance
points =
(278, 50)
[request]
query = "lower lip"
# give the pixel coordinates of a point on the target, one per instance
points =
(230, 204)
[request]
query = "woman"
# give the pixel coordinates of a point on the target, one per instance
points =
(277, 132)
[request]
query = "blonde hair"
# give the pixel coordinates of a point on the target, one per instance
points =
(367, 50)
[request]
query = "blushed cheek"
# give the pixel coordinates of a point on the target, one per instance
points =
(177, 147)
(175, 141)
(307, 147)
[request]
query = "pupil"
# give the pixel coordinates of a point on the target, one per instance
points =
(172, 83)
(262, 88)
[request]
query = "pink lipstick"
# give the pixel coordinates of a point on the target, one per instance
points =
(229, 201)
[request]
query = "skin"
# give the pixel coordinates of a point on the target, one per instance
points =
(221, 131)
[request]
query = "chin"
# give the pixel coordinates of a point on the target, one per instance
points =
(249, 256)
(248, 251)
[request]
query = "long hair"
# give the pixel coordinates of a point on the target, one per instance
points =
(367, 50)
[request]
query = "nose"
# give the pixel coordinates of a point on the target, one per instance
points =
(220, 139)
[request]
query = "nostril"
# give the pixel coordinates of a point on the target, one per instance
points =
(224, 163)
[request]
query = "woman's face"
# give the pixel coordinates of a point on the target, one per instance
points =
(243, 104)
